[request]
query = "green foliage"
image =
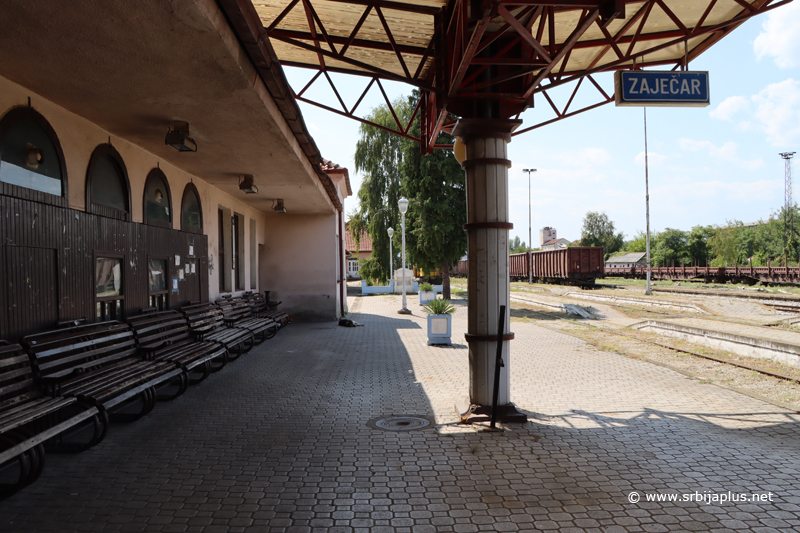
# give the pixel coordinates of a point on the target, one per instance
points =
(371, 270)
(439, 307)
(393, 167)
(725, 244)
(697, 244)
(759, 244)
(670, 248)
(639, 242)
(425, 287)
(516, 246)
(598, 230)
(378, 157)
(436, 188)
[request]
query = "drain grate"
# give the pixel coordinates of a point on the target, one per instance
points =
(400, 422)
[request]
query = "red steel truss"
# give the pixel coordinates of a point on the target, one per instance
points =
(498, 54)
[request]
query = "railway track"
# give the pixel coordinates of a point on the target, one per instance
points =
(673, 348)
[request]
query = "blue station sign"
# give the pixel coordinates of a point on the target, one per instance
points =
(662, 89)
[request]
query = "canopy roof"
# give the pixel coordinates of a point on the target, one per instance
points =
(460, 52)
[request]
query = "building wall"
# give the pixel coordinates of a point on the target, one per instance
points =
(79, 138)
(299, 264)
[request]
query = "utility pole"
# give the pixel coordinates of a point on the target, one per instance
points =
(647, 203)
(788, 209)
(530, 235)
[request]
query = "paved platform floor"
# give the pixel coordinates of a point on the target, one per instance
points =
(279, 441)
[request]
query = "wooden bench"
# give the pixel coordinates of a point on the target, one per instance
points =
(29, 417)
(98, 363)
(263, 309)
(206, 324)
(237, 313)
(163, 336)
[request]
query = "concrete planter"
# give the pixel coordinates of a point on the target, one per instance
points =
(377, 289)
(440, 328)
(426, 296)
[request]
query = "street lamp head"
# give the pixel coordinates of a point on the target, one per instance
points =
(529, 170)
(403, 205)
(390, 231)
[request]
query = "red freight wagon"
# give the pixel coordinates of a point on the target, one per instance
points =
(579, 265)
(518, 266)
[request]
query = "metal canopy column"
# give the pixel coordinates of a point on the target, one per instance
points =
(486, 167)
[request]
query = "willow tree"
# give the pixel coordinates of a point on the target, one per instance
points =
(434, 185)
(378, 158)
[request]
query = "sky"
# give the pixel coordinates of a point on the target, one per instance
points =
(706, 166)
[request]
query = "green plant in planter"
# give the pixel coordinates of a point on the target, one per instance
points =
(369, 281)
(439, 307)
(425, 287)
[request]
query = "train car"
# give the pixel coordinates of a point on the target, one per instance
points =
(578, 265)
(518, 266)
(460, 270)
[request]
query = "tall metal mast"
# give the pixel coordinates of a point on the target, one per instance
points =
(788, 209)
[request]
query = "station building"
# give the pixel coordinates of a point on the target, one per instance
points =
(102, 218)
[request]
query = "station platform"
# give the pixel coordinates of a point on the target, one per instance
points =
(281, 440)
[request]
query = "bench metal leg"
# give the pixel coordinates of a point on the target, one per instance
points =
(221, 364)
(148, 399)
(99, 422)
(183, 384)
(205, 368)
(271, 332)
(23, 461)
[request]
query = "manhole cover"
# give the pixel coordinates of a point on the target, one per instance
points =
(400, 422)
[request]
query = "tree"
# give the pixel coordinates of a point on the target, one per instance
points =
(639, 242)
(725, 244)
(436, 189)
(516, 246)
(393, 166)
(697, 247)
(670, 248)
(598, 230)
(378, 157)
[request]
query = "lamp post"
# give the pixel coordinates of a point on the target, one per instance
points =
(390, 231)
(402, 204)
(530, 238)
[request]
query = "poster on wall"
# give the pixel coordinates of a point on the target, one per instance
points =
(174, 284)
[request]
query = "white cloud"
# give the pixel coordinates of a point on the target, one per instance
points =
(778, 111)
(594, 156)
(780, 37)
(726, 152)
(586, 157)
(775, 111)
(729, 107)
(652, 158)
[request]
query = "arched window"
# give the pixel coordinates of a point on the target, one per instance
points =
(191, 210)
(157, 200)
(107, 187)
(31, 158)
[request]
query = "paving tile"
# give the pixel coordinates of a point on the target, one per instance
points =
(278, 441)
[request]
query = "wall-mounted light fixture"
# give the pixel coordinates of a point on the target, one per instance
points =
(279, 207)
(178, 137)
(34, 156)
(246, 184)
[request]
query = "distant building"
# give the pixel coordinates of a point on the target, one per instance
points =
(635, 259)
(546, 234)
(555, 244)
(354, 254)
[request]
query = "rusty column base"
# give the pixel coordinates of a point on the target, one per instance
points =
(472, 413)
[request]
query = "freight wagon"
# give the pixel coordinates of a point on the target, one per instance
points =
(574, 266)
